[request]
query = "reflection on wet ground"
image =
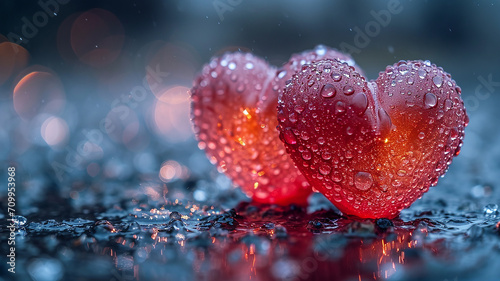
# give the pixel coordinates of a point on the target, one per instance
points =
(168, 239)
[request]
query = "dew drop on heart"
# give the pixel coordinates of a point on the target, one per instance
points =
(339, 107)
(349, 131)
(337, 176)
(326, 155)
(430, 100)
(422, 73)
(282, 74)
(306, 155)
(320, 50)
(292, 117)
(249, 65)
(328, 91)
(321, 140)
(336, 77)
(289, 137)
(240, 88)
(363, 180)
(410, 81)
(348, 154)
(304, 135)
(298, 109)
(359, 103)
(324, 170)
(348, 90)
(438, 81)
(421, 135)
(448, 104)
(403, 69)
(232, 65)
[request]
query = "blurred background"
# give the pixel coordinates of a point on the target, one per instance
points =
(94, 91)
(94, 101)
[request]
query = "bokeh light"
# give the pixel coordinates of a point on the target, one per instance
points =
(172, 170)
(97, 37)
(55, 131)
(38, 92)
(172, 64)
(171, 115)
(13, 58)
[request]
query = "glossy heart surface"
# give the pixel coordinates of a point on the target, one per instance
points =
(234, 103)
(372, 147)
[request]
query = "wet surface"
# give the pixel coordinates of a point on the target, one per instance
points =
(169, 239)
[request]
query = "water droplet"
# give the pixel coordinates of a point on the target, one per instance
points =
(401, 173)
(385, 122)
(325, 170)
(304, 135)
(422, 73)
(339, 107)
(438, 81)
(363, 180)
(232, 66)
(349, 131)
(282, 74)
(448, 104)
(359, 103)
(299, 109)
(336, 77)
(320, 50)
(289, 137)
(337, 177)
(348, 90)
(19, 220)
(421, 135)
(411, 80)
(240, 88)
(249, 65)
(348, 154)
(321, 140)
(306, 155)
(403, 69)
(396, 183)
(292, 117)
(430, 100)
(175, 216)
(326, 155)
(328, 91)
(491, 210)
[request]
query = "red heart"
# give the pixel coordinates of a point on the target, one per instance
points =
(234, 103)
(372, 148)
